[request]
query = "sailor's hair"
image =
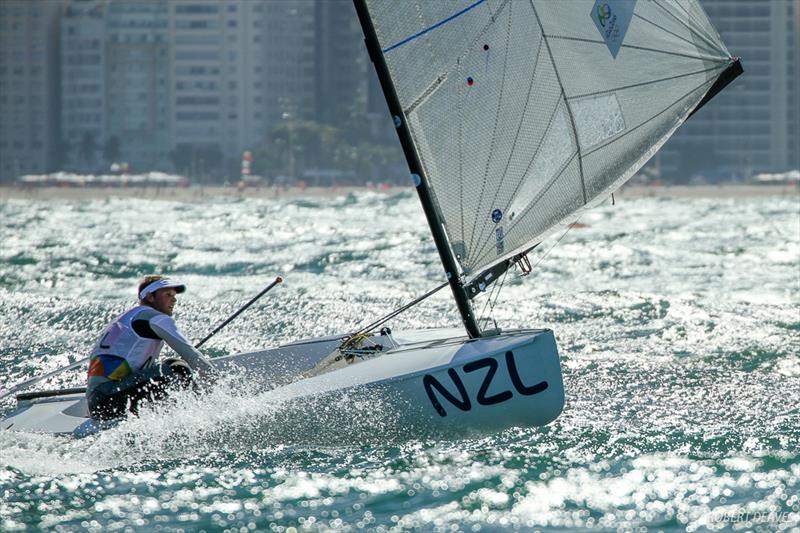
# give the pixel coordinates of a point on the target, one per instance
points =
(147, 281)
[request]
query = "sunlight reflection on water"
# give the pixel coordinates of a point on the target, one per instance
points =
(677, 322)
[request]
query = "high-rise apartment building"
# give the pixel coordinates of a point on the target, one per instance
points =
(237, 66)
(794, 88)
(341, 62)
(115, 84)
(209, 83)
(29, 100)
(753, 125)
(183, 84)
(137, 81)
(83, 89)
(289, 67)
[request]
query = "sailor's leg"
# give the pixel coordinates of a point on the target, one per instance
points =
(105, 401)
(156, 382)
(151, 384)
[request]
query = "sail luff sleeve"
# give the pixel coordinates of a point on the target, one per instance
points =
(416, 167)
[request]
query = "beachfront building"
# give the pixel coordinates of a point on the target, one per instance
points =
(341, 63)
(137, 85)
(289, 67)
(237, 67)
(209, 48)
(83, 90)
(753, 125)
(114, 85)
(29, 99)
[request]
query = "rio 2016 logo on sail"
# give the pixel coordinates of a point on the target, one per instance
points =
(612, 19)
(463, 401)
(603, 13)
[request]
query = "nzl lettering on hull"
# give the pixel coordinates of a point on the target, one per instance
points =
(463, 400)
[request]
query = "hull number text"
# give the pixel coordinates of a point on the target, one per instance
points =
(462, 400)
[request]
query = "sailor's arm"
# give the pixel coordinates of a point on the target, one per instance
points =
(165, 328)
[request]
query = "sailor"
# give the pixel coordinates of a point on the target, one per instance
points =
(124, 367)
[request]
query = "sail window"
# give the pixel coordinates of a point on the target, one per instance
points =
(597, 118)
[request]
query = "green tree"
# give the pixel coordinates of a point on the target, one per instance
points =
(294, 146)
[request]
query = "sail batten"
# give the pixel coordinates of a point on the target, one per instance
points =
(697, 32)
(523, 114)
(702, 57)
(645, 83)
(709, 49)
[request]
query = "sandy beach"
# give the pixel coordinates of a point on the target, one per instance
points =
(197, 193)
(186, 194)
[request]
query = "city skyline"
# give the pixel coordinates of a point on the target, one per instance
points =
(187, 85)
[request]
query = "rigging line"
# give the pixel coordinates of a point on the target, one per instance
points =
(430, 28)
(513, 145)
(566, 104)
(533, 202)
(489, 297)
(627, 132)
(481, 317)
(682, 38)
(491, 293)
(716, 59)
(645, 83)
(569, 227)
(400, 309)
(496, 121)
(502, 283)
(692, 29)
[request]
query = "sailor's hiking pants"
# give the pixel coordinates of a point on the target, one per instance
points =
(111, 399)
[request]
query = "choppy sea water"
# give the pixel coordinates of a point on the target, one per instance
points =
(678, 323)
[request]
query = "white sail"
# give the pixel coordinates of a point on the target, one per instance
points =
(524, 112)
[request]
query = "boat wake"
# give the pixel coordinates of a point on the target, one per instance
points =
(233, 417)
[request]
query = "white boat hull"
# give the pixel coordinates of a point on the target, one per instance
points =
(429, 384)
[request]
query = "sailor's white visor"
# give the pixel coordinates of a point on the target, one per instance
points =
(161, 284)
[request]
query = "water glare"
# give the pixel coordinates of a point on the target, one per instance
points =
(678, 323)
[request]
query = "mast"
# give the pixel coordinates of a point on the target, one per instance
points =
(417, 171)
